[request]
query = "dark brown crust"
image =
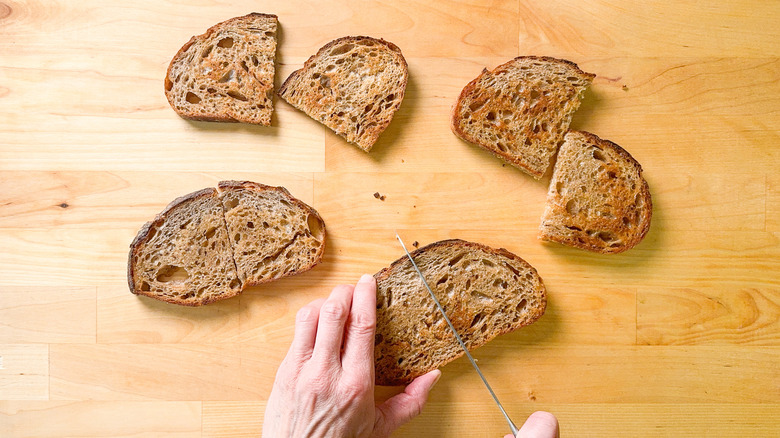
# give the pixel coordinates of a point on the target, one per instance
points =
(250, 185)
(644, 190)
(185, 47)
(376, 131)
(469, 89)
(143, 235)
(449, 243)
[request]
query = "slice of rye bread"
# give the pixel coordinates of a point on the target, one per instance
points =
(227, 73)
(597, 199)
(353, 85)
(521, 110)
(211, 244)
(485, 292)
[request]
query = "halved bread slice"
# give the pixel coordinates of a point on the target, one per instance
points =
(353, 85)
(484, 291)
(273, 234)
(598, 199)
(184, 255)
(521, 110)
(212, 244)
(227, 73)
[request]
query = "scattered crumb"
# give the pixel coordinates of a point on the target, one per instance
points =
(415, 244)
(64, 205)
(402, 160)
(503, 164)
(380, 197)
(625, 87)
(531, 396)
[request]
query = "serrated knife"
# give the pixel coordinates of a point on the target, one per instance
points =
(457, 336)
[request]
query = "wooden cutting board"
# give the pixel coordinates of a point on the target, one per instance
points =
(677, 337)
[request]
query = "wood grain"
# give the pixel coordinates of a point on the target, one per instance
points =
(100, 419)
(24, 371)
(678, 337)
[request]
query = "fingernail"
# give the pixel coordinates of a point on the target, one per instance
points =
(366, 278)
(437, 379)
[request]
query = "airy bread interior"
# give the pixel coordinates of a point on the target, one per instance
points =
(597, 199)
(521, 110)
(353, 85)
(484, 291)
(226, 74)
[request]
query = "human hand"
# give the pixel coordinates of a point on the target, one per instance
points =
(325, 384)
(539, 425)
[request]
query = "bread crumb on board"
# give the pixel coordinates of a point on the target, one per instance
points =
(380, 197)
(416, 244)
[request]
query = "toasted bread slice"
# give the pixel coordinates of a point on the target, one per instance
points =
(521, 110)
(353, 85)
(226, 74)
(598, 199)
(273, 234)
(484, 291)
(211, 244)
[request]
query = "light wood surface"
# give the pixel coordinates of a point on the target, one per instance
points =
(677, 337)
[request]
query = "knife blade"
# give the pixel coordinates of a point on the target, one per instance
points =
(457, 336)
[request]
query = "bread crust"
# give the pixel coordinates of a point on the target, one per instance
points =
(631, 239)
(372, 134)
(392, 377)
(469, 90)
(225, 118)
(145, 234)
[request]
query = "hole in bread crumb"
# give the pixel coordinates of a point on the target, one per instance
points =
(325, 81)
(340, 50)
(145, 287)
(598, 154)
(378, 339)
(315, 227)
(250, 224)
(456, 259)
(192, 98)
(170, 273)
(228, 76)
(571, 207)
(238, 96)
(234, 284)
(210, 233)
(225, 43)
(390, 97)
(521, 305)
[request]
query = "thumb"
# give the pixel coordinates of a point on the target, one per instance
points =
(402, 407)
(540, 425)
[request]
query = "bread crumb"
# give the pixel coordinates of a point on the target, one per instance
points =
(625, 87)
(64, 205)
(415, 244)
(378, 196)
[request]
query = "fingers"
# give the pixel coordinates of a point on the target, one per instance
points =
(305, 330)
(330, 327)
(403, 407)
(539, 425)
(361, 327)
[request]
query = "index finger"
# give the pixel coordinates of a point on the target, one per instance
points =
(361, 327)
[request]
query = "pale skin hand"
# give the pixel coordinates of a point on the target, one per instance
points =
(539, 425)
(325, 384)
